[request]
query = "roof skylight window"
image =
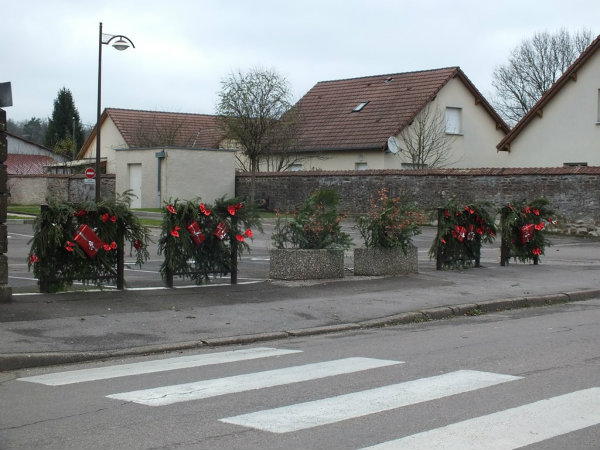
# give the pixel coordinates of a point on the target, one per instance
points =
(360, 106)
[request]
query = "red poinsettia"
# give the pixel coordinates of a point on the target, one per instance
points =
(171, 209)
(33, 258)
(537, 251)
(113, 219)
(175, 231)
(539, 226)
(536, 212)
(106, 247)
(105, 217)
(240, 237)
(248, 233)
(113, 245)
(204, 210)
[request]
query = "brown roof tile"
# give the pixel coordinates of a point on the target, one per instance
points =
(20, 164)
(149, 128)
(329, 123)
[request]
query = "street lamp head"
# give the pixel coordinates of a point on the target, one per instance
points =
(121, 44)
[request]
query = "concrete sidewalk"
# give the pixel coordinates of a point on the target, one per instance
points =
(48, 329)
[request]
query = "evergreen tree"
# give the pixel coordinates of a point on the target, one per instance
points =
(63, 124)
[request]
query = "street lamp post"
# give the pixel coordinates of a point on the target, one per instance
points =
(121, 43)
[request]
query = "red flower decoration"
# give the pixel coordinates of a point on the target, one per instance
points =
(69, 246)
(105, 217)
(248, 233)
(171, 209)
(240, 237)
(137, 244)
(446, 214)
(113, 219)
(231, 210)
(536, 212)
(33, 258)
(204, 210)
(479, 231)
(175, 231)
(443, 241)
(539, 226)
(467, 208)
(106, 247)
(80, 213)
(113, 245)
(527, 210)
(537, 251)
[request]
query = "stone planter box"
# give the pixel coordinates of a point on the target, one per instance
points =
(385, 261)
(296, 264)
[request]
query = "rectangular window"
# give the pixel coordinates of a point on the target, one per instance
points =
(296, 167)
(598, 118)
(453, 120)
(361, 166)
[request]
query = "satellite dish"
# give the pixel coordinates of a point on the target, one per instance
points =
(393, 145)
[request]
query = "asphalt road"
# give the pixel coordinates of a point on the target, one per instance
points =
(519, 379)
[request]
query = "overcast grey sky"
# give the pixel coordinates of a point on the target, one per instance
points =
(184, 48)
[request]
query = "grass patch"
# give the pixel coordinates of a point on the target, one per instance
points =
(24, 209)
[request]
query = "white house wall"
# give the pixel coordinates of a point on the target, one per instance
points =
(569, 129)
(185, 174)
(110, 139)
(476, 145)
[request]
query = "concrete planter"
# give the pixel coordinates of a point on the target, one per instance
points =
(296, 264)
(385, 261)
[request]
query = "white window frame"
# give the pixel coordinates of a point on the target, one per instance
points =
(453, 120)
(361, 166)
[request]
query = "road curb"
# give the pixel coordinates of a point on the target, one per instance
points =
(18, 361)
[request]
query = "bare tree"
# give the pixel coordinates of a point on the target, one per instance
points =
(255, 109)
(424, 142)
(532, 68)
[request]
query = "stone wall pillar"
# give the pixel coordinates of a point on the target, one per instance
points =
(5, 289)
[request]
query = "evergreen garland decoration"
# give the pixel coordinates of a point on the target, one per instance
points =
(524, 230)
(196, 237)
(461, 232)
(57, 255)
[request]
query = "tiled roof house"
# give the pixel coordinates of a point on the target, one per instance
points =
(186, 147)
(563, 127)
(346, 124)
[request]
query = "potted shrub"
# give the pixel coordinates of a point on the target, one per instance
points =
(387, 231)
(310, 243)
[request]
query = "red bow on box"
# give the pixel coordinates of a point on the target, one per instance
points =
(89, 242)
(526, 233)
(197, 235)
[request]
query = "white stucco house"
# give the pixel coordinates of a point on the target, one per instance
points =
(163, 155)
(563, 127)
(358, 123)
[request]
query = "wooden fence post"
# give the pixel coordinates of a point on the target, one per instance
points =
(234, 252)
(439, 263)
(504, 246)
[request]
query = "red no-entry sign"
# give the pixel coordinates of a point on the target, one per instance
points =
(90, 172)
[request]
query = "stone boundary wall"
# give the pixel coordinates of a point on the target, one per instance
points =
(573, 191)
(34, 189)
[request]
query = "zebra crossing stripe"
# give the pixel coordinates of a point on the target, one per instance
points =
(330, 410)
(161, 365)
(512, 428)
(220, 386)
